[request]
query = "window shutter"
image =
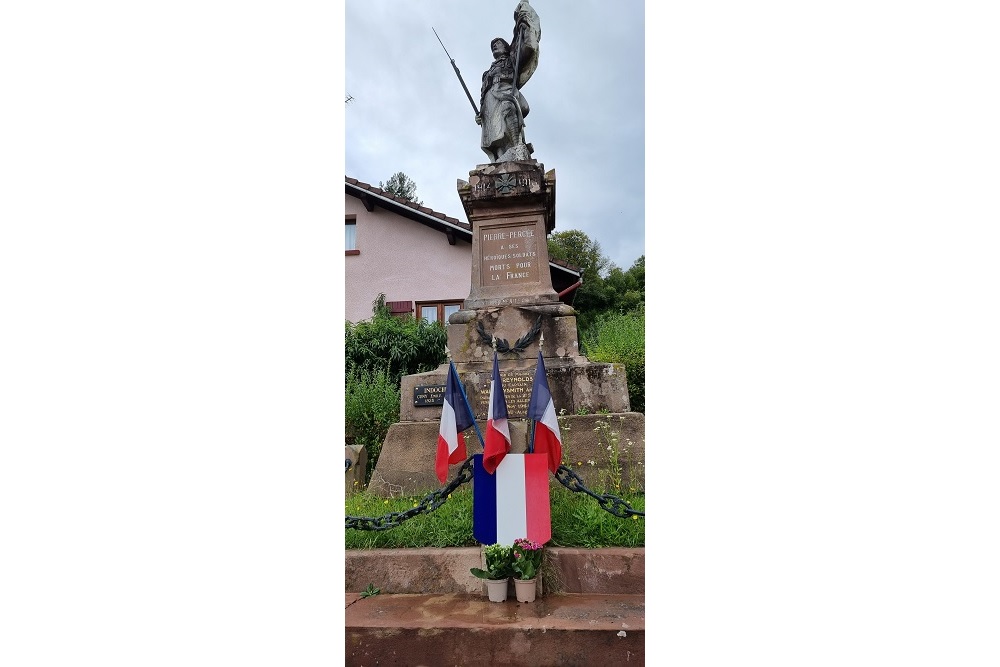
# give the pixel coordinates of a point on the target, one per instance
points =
(399, 307)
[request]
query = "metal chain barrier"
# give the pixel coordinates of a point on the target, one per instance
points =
(610, 503)
(430, 502)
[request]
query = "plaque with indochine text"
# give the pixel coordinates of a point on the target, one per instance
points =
(516, 391)
(509, 255)
(428, 394)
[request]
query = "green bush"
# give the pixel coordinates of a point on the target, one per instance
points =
(620, 338)
(378, 353)
(371, 407)
(398, 345)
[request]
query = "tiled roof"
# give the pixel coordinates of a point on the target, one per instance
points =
(566, 265)
(408, 204)
(417, 209)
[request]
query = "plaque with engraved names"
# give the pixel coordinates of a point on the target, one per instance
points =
(516, 391)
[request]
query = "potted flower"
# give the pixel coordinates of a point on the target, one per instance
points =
(527, 562)
(499, 560)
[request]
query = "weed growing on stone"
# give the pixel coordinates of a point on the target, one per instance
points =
(609, 438)
(621, 464)
(564, 433)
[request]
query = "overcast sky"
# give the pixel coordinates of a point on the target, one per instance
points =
(410, 114)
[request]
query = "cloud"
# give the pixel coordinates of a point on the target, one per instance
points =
(587, 97)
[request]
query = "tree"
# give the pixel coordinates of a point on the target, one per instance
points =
(575, 247)
(606, 288)
(403, 186)
(627, 289)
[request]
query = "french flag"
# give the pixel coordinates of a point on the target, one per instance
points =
(546, 438)
(497, 441)
(513, 502)
(455, 418)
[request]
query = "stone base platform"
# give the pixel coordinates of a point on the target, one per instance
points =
(461, 629)
(406, 464)
(590, 610)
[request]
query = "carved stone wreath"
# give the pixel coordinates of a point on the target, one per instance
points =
(503, 346)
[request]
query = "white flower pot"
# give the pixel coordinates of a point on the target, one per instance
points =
(497, 589)
(525, 589)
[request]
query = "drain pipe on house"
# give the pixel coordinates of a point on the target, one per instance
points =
(569, 289)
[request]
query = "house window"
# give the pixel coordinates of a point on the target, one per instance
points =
(351, 235)
(438, 311)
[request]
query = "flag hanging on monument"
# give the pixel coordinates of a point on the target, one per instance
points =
(497, 441)
(455, 418)
(546, 438)
(513, 502)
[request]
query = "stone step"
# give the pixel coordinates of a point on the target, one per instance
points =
(438, 630)
(432, 570)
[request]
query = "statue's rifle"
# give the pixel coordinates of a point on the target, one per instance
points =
(459, 74)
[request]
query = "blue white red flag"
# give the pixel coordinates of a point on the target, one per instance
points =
(546, 438)
(513, 502)
(455, 418)
(497, 441)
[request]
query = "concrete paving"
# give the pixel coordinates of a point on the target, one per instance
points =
(416, 630)
(433, 613)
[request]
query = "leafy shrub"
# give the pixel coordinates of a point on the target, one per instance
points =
(371, 407)
(399, 346)
(499, 563)
(620, 338)
(378, 353)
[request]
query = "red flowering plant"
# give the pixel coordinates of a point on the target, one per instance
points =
(527, 558)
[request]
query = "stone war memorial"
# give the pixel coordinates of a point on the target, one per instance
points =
(510, 202)
(513, 332)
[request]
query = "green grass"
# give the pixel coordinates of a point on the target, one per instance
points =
(577, 521)
(621, 338)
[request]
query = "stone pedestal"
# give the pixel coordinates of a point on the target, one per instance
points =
(577, 386)
(511, 207)
(512, 305)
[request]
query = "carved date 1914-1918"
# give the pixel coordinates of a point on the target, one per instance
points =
(503, 184)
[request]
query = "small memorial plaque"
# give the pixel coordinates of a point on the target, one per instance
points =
(428, 394)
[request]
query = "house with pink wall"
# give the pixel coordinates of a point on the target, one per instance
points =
(419, 258)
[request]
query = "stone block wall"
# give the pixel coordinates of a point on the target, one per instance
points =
(406, 463)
